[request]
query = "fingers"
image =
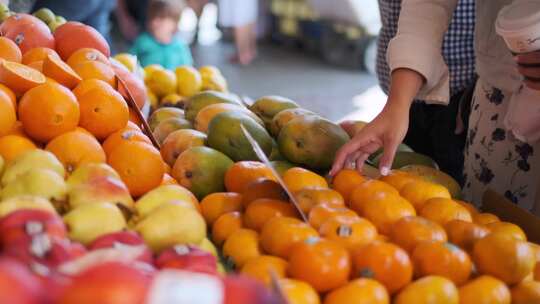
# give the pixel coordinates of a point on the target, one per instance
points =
(360, 161)
(533, 84)
(348, 149)
(387, 159)
(532, 58)
(532, 72)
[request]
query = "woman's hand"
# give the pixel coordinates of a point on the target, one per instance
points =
(387, 130)
(529, 67)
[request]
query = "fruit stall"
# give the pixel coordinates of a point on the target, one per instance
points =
(213, 198)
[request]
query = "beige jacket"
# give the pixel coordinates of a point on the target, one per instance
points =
(418, 43)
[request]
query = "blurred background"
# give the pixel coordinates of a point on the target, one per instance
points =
(319, 53)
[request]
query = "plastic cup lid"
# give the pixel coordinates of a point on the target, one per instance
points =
(518, 16)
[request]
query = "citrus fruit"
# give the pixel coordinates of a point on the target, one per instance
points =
(298, 178)
(419, 191)
(12, 146)
(75, 148)
(19, 77)
(241, 246)
(96, 70)
(410, 231)
(60, 71)
(351, 233)
(443, 210)
(225, 225)
(9, 50)
(217, 204)
(359, 291)
(484, 290)
(189, 80)
(280, 234)
(442, 259)
(430, 289)
(260, 211)
(260, 267)
(242, 173)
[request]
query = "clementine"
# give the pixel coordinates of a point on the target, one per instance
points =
(217, 204)
(75, 148)
(409, 231)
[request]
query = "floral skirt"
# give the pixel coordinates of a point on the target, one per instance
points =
(494, 158)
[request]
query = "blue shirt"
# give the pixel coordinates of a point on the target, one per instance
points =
(457, 49)
(149, 51)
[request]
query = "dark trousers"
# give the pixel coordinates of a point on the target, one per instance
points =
(432, 132)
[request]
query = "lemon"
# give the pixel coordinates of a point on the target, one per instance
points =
(161, 82)
(127, 60)
(189, 81)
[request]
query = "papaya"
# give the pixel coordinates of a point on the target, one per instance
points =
(168, 126)
(200, 100)
(162, 114)
(209, 112)
(201, 170)
(281, 166)
(311, 141)
(283, 117)
(226, 135)
(404, 158)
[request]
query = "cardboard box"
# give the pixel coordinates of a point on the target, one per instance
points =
(497, 204)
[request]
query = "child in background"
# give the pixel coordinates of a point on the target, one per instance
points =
(160, 44)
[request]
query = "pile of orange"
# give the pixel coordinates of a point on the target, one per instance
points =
(59, 92)
(399, 238)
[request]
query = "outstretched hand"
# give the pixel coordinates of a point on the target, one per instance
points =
(386, 131)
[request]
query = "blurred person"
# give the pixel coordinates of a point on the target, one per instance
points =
(91, 12)
(160, 44)
(131, 17)
(241, 15)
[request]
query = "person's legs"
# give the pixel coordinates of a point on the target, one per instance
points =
(242, 39)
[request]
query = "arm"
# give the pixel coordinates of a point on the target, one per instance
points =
(415, 59)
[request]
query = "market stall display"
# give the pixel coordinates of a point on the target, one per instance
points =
(93, 211)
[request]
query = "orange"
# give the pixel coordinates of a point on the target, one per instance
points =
(345, 181)
(86, 54)
(367, 191)
(243, 173)
(443, 259)
(484, 290)
(19, 77)
(47, 111)
(384, 262)
(409, 231)
(485, 218)
(10, 94)
(225, 225)
(504, 257)
(262, 210)
(321, 213)
(536, 274)
(168, 180)
(359, 291)
(443, 210)
(507, 228)
(96, 70)
(12, 146)
(72, 36)
(217, 204)
(103, 110)
(38, 54)
(8, 116)
(241, 246)
(351, 233)
(280, 234)
(398, 179)
(322, 263)
(55, 68)
(470, 207)
(139, 165)
(465, 234)
(259, 268)
(123, 135)
(386, 209)
(263, 188)
(75, 148)
(133, 126)
(419, 191)
(428, 290)
(308, 198)
(38, 66)
(526, 293)
(299, 292)
(9, 50)
(17, 130)
(298, 178)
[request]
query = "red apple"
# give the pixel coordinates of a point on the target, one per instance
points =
(123, 238)
(45, 250)
(187, 258)
(23, 224)
(17, 284)
(242, 290)
(108, 283)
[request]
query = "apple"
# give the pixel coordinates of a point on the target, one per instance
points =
(91, 183)
(33, 159)
(187, 258)
(17, 284)
(25, 202)
(243, 290)
(107, 283)
(47, 251)
(37, 182)
(123, 238)
(90, 221)
(23, 224)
